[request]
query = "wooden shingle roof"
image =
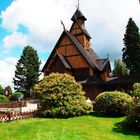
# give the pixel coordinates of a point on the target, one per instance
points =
(77, 15)
(90, 56)
(64, 61)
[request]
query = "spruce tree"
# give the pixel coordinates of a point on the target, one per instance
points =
(27, 71)
(131, 51)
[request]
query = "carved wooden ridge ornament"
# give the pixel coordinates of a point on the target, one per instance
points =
(63, 25)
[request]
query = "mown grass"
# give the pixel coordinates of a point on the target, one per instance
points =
(78, 128)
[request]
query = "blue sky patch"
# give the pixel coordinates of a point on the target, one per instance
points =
(4, 4)
(23, 29)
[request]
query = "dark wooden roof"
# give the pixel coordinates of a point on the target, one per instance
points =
(127, 80)
(75, 18)
(91, 81)
(77, 15)
(53, 51)
(124, 80)
(90, 56)
(102, 63)
(86, 32)
(64, 61)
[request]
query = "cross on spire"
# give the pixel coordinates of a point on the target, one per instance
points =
(78, 4)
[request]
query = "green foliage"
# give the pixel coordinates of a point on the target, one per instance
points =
(120, 68)
(133, 118)
(136, 90)
(16, 95)
(3, 99)
(1, 89)
(61, 96)
(77, 128)
(113, 103)
(27, 71)
(131, 51)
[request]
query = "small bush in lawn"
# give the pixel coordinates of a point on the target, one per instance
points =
(136, 90)
(113, 103)
(61, 96)
(16, 95)
(3, 99)
(133, 118)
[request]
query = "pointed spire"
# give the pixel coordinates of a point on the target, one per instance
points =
(78, 4)
(108, 55)
(78, 15)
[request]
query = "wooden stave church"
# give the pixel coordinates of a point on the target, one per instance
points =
(74, 55)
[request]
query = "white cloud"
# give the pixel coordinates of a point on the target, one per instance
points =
(40, 17)
(15, 39)
(7, 68)
(106, 20)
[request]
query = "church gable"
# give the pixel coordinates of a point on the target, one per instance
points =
(57, 66)
(75, 29)
(66, 47)
(73, 53)
(77, 61)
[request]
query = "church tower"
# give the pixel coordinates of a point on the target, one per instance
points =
(79, 31)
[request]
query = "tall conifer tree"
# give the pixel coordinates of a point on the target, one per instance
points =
(131, 51)
(27, 71)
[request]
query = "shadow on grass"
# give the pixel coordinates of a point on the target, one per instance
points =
(96, 114)
(119, 128)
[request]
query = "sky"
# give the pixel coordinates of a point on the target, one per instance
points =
(37, 23)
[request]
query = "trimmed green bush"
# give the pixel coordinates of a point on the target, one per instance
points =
(136, 90)
(61, 96)
(1, 89)
(113, 103)
(16, 95)
(133, 118)
(3, 99)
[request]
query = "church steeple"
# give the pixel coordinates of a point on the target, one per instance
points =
(78, 29)
(78, 15)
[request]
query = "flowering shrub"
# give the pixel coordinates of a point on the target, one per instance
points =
(113, 103)
(61, 96)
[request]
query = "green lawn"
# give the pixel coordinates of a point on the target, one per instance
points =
(78, 128)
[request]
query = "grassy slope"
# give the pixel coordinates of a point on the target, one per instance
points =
(79, 128)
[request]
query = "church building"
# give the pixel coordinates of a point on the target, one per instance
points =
(73, 54)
